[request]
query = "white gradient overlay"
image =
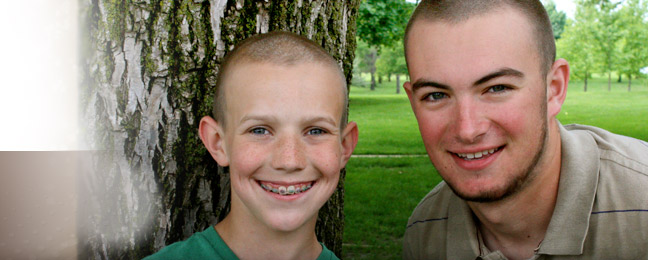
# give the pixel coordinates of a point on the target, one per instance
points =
(38, 69)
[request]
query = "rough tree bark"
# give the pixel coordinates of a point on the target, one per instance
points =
(147, 71)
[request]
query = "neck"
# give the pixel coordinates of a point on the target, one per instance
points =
(517, 225)
(249, 239)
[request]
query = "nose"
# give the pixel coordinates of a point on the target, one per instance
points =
(289, 155)
(470, 122)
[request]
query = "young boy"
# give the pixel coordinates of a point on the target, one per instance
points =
(280, 126)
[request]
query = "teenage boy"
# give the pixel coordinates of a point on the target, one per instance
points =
(486, 88)
(280, 126)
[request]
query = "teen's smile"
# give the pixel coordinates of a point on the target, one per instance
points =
(479, 160)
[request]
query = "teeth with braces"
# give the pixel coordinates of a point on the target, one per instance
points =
(477, 155)
(285, 191)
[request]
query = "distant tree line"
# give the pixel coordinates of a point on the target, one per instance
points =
(603, 37)
(606, 37)
(380, 29)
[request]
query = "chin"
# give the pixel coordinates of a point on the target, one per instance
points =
(288, 223)
(489, 195)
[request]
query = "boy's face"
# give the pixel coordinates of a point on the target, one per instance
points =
(283, 142)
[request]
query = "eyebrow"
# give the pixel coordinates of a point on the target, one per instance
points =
(257, 118)
(328, 120)
(309, 120)
(503, 72)
(420, 83)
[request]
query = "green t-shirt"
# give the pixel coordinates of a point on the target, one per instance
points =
(209, 245)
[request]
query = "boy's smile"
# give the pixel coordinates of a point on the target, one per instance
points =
(286, 189)
(282, 141)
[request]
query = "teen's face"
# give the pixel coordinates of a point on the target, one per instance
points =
(283, 141)
(480, 100)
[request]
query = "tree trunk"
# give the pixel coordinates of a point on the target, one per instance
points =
(585, 85)
(619, 80)
(629, 82)
(371, 61)
(147, 72)
(397, 83)
(609, 81)
(373, 81)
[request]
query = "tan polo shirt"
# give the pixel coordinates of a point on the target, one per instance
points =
(601, 210)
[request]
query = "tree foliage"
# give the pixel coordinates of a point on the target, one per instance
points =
(392, 62)
(606, 36)
(634, 38)
(558, 18)
(381, 24)
(576, 47)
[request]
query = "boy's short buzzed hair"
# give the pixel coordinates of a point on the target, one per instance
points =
(281, 48)
(455, 11)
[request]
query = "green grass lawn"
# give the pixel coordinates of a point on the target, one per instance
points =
(618, 111)
(382, 192)
(380, 195)
(386, 124)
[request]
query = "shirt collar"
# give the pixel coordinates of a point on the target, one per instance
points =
(462, 231)
(579, 174)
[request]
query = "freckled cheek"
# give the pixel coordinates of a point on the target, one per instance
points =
(326, 159)
(247, 159)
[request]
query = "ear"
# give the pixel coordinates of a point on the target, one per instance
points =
(212, 134)
(557, 81)
(408, 89)
(349, 141)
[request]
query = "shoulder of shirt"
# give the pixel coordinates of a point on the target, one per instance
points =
(327, 254)
(195, 247)
(627, 152)
(433, 206)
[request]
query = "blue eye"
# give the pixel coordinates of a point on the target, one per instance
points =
(498, 88)
(435, 96)
(316, 131)
(259, 131)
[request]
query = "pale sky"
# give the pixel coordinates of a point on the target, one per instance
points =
(566, 6)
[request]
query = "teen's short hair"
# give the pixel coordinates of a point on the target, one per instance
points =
(455, 11)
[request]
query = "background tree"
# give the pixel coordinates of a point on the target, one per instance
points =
(148, 68)
(577, 44)
(606, 32)
(392, 62)
(606, 36)
(366, 57)
(381, 24)
(557, 18)
(633, 53)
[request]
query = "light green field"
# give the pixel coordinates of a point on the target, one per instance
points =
(382, 192)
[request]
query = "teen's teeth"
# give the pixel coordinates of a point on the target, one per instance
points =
(476, 155)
